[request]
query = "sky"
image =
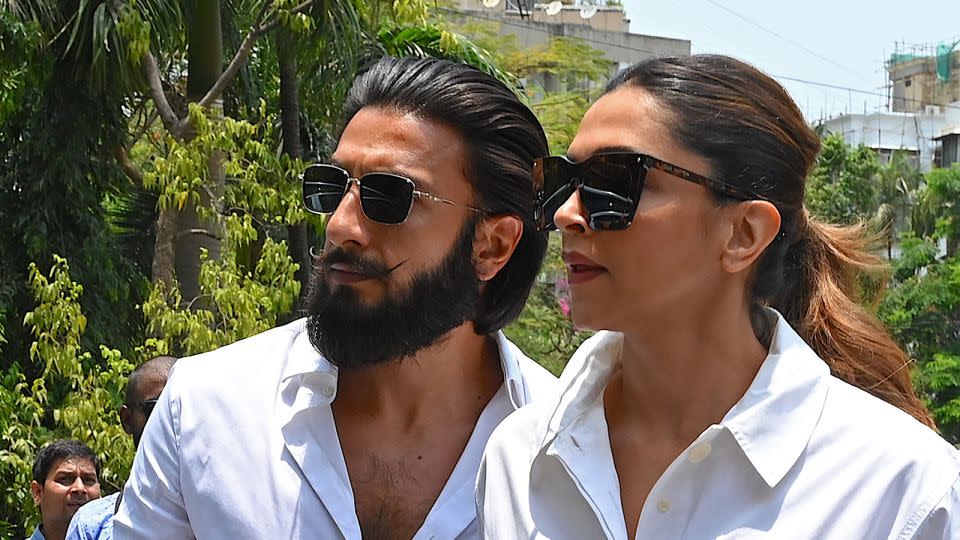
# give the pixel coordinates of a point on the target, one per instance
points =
(840, 42)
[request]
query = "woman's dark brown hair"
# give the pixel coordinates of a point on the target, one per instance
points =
(754, 136)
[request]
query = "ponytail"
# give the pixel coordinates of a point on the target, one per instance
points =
(822, 272)
(755, 137)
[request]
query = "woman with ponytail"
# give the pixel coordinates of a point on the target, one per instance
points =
(738, 388)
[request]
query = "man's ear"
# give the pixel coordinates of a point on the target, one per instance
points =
(125, 419)
(754, 225)
(35, 489)
(493, 245)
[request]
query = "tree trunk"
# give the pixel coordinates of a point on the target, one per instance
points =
(290, 126)
(163, 266)
(204, 67)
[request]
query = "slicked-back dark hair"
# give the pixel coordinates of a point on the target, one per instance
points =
(59, 450)
(502, 138)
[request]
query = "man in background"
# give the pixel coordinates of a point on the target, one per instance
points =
(95, 520)
(66, 475)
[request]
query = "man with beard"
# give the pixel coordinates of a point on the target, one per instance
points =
(368, 418)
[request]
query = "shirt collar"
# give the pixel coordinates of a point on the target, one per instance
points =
(309, 379)
(775, 418)
(37, 534)
(772, 423)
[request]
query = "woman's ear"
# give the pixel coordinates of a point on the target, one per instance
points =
(493, 245)
(754, 225)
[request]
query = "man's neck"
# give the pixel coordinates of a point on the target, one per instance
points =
(450, 377)
(403, 427)
(53, 531)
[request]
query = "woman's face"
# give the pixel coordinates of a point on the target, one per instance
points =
(668, 260)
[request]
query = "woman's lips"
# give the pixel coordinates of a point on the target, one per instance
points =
(581, 268)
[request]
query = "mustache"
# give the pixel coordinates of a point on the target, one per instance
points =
(375, 269)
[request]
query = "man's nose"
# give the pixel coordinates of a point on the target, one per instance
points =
(348, 224)
(78, 485)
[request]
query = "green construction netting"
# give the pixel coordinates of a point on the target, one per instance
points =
(943, 61)
(897, 58)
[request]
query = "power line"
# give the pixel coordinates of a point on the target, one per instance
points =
(858, 91)
(476, 15)
(786, 39)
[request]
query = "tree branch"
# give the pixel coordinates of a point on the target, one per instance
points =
(143, 129)
(131, 170)
(242, 54)
(148, 64)
(201, 232)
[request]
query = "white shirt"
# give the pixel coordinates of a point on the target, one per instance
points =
(243, 445)
(801, 455)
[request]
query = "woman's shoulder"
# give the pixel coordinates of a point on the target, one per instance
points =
(877, 431)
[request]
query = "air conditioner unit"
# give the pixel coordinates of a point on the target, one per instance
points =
(931, 109)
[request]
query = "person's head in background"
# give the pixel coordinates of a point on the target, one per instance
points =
(143, 388)
(66, 475)
(710, 224)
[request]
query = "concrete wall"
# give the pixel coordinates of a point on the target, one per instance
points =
(620, 47)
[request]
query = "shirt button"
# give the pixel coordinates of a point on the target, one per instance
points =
(700, 453)
(663, 505)
(327, 391)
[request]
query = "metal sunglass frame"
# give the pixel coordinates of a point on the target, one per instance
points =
(350, 180)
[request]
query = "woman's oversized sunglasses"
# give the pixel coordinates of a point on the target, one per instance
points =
(610, 185)
(384, 197)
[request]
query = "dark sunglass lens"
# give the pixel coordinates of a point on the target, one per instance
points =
(607, 210)
(386, 198)
(552, 173)
(323, 188)
(553, 203)
(148, 406)
(610, 191)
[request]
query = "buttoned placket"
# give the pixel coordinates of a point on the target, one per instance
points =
(672, 501)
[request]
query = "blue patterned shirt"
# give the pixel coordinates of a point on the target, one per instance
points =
(94, 520)
(37, 534)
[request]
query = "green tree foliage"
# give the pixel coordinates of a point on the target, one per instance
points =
(99, 141)
(544, 330)
(843, 186)
(75, 396)
(921, 306)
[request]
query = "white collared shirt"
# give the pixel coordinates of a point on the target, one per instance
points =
(243, 445)
(801, 455)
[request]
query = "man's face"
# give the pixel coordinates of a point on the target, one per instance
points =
(134, 415)
(381, 291)
(71, 483)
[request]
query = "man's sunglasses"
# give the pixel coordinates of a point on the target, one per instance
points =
(384, 197)
(610, 185)
(146, 406)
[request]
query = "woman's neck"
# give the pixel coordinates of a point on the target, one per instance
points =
(682, 373)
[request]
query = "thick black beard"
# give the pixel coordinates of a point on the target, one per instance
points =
(353, 335)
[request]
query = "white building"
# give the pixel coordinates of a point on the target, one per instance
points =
(886, 132)
(949, 136)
